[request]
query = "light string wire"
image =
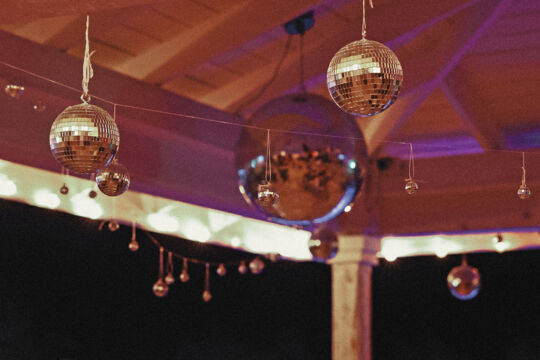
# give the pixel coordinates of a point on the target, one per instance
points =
(197, 261)
(268, 169)
(364, 27)
(223, 122)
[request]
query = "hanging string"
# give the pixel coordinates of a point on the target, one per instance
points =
(88, 72)
(523, 177)
(411, 163)
(160, 275)
(170, 263)
(268, 170)
(364, 29)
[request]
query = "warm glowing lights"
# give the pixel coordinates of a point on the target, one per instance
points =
(7, 186)
(347, 208)
(500, 244)
(162, 221)
(46, 198)
(86, 207)
(195, 230)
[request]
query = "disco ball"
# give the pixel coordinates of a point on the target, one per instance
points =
(84, 138)
(464, 282)
(323, 244)
(113, 180)
(364, 77)
(316, 177)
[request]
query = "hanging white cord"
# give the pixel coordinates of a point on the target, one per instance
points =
(268, 174)
(364, 29)
(523, 182)
(411, 164)
(88, 72)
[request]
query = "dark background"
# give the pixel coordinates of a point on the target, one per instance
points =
(69, 291)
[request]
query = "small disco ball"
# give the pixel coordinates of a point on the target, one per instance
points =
(256, 266)
(411, 187)
(113, 225)
(113, 180)
(14, 91)
(524, 192)
(160, 288)
(364, 78)
(464, 282)
(84, 138)
(323, 244)
(266, 196)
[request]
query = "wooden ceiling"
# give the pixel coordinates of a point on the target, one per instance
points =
(472, 67)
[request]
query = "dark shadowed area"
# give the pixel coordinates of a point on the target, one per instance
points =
(69, 291)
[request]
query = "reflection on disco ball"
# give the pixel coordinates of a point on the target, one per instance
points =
(364, 77)
(316, 177)
(84, 138)
(14, 91)
(323, 244)
(113, 180)
(464, 282)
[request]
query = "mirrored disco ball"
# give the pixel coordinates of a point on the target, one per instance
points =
(323, 244)
(364, 77)
(316, 177)
(464, 282)
(84, 138)
(113, 180)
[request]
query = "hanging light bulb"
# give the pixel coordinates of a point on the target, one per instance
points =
(221, 270)
(113, 180)
(464, 281)
(64, 190)
(410, 185)
(364, 77)
(184, 275)
(169, 278)
(133, 245)
(207, 296)
(160, 287)
(242, 268)
(256, 266)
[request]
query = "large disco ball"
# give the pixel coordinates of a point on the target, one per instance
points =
(316, 177)
(464, 282)
(84, 138)
(364, 77)
(113, 180)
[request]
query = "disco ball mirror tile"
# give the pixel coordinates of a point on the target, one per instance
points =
(113, 180)
(364, 78)
(84, 138)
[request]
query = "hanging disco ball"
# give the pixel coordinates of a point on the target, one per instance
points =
(323, 244)
(364, 78)
(316, 177)
(84, 138)
(113, 180)
(464, 282)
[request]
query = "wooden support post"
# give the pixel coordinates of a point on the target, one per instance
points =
(351, 297)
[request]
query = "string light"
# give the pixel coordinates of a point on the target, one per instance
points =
(184, 275)
(410, 185)
(523, 191)
(206, 295)
(160, 287)
(169, 278)
(133, 245)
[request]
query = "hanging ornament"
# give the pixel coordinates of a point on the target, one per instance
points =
(242, 268)
(169, 278)
(410, 185)
(256, 266)
(113, 225)
(39, 106)
(14, 91)
(206, 295)
(464, 281)
(323, 244)
(133, 245)
(266, 196)
(64, 190)
(84, 138)
(160, 287)
(523, 191)
(221, 270)
(184, 275)
(364, 77)
(113, 180)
